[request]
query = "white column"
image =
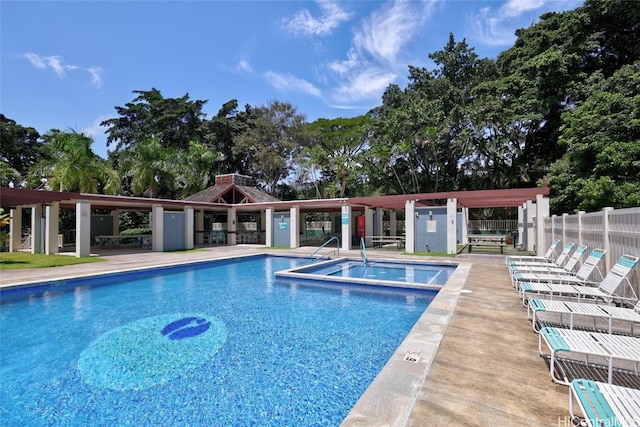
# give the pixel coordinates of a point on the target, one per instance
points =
(345, 220)
(368, 225)
(263, 227)
(15, 229)
(410, 226)
(377, 227)
(36, 229)
(199, 227)
(189, 229)
(157, 228)
(52, 215)
(542, 212)
(269, 228)
(531, 240)
(452, 210)
(294, 236)
(83, 229)
(521, 228)
(465, 225)
(232, 227)
(393, 231)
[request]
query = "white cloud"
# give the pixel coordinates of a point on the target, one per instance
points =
(288, 82)
(56, 64)
(387, 31)
(366, 85)
(497, 27)
(373, 62)
(96, 75)
(331, 16)
(244, 66)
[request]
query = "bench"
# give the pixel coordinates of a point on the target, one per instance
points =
(490, 240)
(379, 241)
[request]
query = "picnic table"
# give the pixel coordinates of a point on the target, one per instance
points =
(112, 240)
(379, 241)
(490, 240)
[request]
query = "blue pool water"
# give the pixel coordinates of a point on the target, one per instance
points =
(219, 344)
(376, 270)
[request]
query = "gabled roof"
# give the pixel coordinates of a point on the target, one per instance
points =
(231, 194)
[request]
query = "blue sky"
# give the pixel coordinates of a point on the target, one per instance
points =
(68, 64)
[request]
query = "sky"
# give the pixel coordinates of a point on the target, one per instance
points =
(68, 64)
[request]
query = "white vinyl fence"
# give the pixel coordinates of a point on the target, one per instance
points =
(615, 230)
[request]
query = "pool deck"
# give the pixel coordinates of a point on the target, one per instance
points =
(478, 362)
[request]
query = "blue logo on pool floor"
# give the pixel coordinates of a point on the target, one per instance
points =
(151, 351)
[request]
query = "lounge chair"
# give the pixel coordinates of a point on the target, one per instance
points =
(539, 309)
(604, 404)
(593, 346)
(559, 262)
(532, 258)
(607, 290)
(580, 277)
(567, 268)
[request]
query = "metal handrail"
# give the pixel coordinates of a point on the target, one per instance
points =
(363, 251)
(326, 243)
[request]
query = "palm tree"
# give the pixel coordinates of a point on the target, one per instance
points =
(148, 164)
(73, 166)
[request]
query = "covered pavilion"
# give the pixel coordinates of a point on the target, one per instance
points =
(439, 219)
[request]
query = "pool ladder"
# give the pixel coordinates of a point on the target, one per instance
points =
(363, 251)
(326, 243)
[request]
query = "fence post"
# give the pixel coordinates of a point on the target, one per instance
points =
(605, 238)
(580, 239)
(564, 228)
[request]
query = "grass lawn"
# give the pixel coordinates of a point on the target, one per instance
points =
(18, 260)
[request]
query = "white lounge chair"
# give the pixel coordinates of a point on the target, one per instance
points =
(607, 290)
(580, 277)
(547, 268)
(539, 309)
(604, 404)
(593, 346)
(559, 262)
(548, 256)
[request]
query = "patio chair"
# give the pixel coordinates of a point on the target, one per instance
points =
(594, 347)
(559, 262)
(608, 289)
(567, 268)
(532, 258)
(539, 309)
(580, 277)
(604, 404)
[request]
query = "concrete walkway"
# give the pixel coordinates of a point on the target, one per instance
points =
(486, 370)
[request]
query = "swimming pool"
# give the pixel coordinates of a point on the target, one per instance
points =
(394, 274)
(221, 343)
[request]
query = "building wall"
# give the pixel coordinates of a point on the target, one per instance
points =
(174, 231)
(431, 229)
(281, 229)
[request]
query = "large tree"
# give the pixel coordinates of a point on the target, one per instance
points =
(20, 148)
(174, 122)
(267, 146)
(336, 149)
(602, 138)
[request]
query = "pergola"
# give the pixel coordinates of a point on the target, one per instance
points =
(42, 201)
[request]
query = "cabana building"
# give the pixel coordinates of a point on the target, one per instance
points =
(234, 212)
